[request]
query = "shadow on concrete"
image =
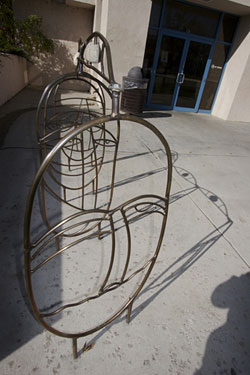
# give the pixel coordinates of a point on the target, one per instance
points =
(19, 162)
(7, 120)
(170, 274)
(183, 263)
(154, 114)
(186, 260)
(228, 347)
(17, 324)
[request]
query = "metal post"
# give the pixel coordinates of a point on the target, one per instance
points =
(74, 342)
(116, 89)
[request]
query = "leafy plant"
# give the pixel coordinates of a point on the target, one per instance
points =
(23, 38)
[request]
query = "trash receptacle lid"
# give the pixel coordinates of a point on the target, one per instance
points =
(135, 72)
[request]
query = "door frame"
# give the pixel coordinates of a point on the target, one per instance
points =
(187, 39)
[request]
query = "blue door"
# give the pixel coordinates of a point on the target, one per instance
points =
(179, 72)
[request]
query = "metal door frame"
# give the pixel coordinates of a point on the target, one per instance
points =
(187, 39)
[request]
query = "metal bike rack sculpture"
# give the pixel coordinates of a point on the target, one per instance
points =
(73, 141)
(57, 115)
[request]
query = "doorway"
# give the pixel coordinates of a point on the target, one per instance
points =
(181, 67)
(186, 51)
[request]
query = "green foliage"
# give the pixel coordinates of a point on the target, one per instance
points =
(23, 38)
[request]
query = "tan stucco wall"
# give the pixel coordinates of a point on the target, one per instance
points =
(125, 25)
(13, 76)
(233, 99)
(97, 15)
(65, 25)
(240, 109)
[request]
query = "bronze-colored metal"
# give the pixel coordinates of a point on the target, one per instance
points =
(74, 343)
(75, 152)
(58, 113)
(105, 50)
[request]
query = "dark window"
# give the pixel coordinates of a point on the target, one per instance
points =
(149, 53)
(194, 69)
(214, 74)
(155, 13)
(167, 69)
(191, 19)
(227, 28)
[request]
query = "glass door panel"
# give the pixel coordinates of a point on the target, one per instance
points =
(194, 68)
(168, 67)
(214, 75)
(191, 19)
(149, 53)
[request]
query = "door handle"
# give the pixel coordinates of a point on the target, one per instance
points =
(180, 78)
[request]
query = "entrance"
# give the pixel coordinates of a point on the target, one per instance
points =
(186, 51)
(181, 67)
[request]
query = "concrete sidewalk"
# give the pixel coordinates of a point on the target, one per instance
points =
(193, 315)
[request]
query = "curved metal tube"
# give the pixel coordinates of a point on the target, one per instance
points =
(86, 224)
(123, 207)
(110, 77)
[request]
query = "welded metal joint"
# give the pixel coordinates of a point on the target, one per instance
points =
(115, 89)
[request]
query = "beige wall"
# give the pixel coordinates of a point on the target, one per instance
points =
(125, 24)
(13, 76)
(233, 99)
(62, 23)
(240, 109)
